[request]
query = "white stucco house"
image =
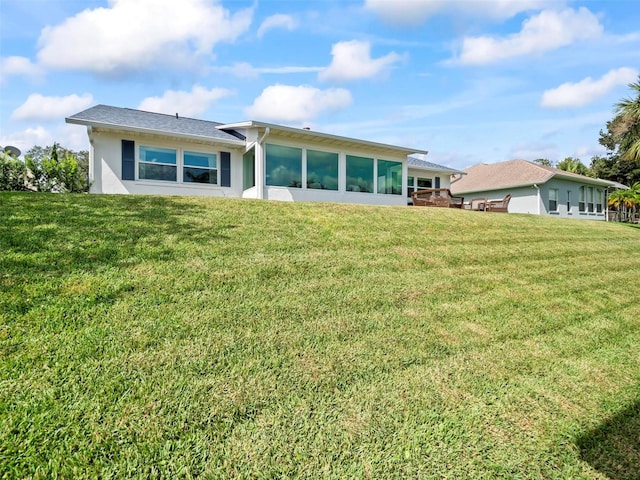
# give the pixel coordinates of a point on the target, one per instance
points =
(536, 189)
(137, 152)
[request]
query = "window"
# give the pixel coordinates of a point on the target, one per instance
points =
(389, 177)
(157, 164)
(581, 200)
(590, 199)
(410, 187)
(599, 200)
(424, 183)
(553, 200)
(322, 170)
(200, 168)
(568, 201)
(359, 174)
(283, 166)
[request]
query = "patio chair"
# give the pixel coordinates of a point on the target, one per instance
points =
(499, 205)
(478, 204)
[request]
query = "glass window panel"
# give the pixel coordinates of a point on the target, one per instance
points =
(389, 177)
(359, 174)
(322, 170)
(158, 155)
(424, 183)
(155, 171)
(200, 175)
(553, 200)
(410, 188)
(204, 160)
(284, 166)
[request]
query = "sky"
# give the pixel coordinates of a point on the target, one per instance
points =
(470, 81)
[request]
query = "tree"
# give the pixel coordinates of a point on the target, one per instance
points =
(622, 141)
(545, 162)
(13, 173)
(626, 202)
(57, 169)
(573, 165)
(627, 128)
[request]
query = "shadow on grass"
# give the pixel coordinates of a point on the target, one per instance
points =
(613, 448)
(62, 233)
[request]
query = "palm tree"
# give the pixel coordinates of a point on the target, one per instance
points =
(626, 124)
(573, 165)
(626, 201)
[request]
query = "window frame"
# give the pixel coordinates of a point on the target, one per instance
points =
(215, 169)
(552, 203)
(582, 199)
(140, 162)
(179, 165)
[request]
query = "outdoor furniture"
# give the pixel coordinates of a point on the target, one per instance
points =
(436, 197)
(499, 205)
(478, 204)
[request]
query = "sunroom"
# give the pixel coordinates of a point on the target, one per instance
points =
(284, 163)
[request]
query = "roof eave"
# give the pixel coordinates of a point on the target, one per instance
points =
(320, 135)
(152, 131)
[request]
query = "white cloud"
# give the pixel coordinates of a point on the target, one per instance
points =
(288, 103)
(28, 138)
(188, 104)
(134, 35)
(246, 70)
(587, 90)
(40, 107)
(352, 61)
(277, 21)
(68, 136)
(19, 66)
(543, 32)
(415, 12)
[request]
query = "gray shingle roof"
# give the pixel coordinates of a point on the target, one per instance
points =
(105, 115)
(419, 163)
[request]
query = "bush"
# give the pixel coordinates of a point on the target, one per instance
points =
(13, 173)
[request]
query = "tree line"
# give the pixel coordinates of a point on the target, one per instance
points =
(45, 169)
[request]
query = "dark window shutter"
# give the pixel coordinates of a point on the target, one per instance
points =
(128, 160)
(225, 169)
(437, 182)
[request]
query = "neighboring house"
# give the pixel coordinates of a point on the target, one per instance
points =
(149, 153)
(536, 189)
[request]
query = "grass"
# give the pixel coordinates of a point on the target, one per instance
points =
(151, 337)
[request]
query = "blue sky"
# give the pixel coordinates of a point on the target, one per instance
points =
(470, 81)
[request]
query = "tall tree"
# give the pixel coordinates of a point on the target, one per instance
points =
(627, 128)
(622, 141)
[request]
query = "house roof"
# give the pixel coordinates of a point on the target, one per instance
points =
(301, 134)
(414, 162)
(511, 174)
(118, 118)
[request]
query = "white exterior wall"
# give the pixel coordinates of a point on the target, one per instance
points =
(445, 177)
(106, 166)
(106, 169)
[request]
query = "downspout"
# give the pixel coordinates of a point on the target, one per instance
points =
(535, 185)
(260, 167)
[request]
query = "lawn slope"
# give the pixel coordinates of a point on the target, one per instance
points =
(176, 337)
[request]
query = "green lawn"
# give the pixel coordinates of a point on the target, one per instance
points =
(175, 337)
